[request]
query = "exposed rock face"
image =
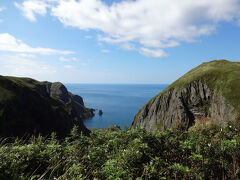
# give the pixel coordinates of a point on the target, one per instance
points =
(59, 92)
(192, 97)
(30, 107)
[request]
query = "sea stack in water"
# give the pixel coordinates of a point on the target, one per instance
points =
(209, 92)
(100, 112)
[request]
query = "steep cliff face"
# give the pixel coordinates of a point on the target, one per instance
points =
(59, 92)
(30, 107)
(208, 92)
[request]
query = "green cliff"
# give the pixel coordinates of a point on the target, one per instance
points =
(31, 107)
(209, 92)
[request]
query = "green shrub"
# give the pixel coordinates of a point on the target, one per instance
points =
(210, 152)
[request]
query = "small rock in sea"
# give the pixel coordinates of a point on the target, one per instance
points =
(92, 112)
(100, 112)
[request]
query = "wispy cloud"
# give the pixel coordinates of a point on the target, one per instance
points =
(24, 55)
(70, 60)
(88, 37)
(31, 8)
(152, 52)
(106, 51)
(16, 65)
(68, 66)
(2, 8)
(128, 46)
(11, 44)
(151, 25)
(64, 59)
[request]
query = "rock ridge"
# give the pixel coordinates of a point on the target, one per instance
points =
(187, 101)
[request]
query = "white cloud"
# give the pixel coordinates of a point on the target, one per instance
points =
(83, 64)
(149, 24)
(29, 8)
(15, 65)
(154, 53)
(68, 66)
(128, 46)
(64, 59)
(11, 44)
(88, 37)
(69, 60)
(106, 51)
(74, 59)
(2, 8)
(23, 55)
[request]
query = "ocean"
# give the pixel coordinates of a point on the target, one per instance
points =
(119, 102)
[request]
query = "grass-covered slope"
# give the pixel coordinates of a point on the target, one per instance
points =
(26, 107)
(220, 75)
(209, 91)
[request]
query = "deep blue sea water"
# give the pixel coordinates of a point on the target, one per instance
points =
(118, 102)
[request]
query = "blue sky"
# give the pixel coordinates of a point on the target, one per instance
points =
(94, 41)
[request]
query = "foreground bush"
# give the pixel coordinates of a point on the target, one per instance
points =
(209, 152)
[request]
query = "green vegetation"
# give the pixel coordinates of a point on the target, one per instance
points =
(203, 152)
(31, 107)
(219, 75)
(211, 90)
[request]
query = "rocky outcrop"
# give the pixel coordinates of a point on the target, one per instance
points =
(59, 92)
(30, 107)
(100, 112)
(197, 96)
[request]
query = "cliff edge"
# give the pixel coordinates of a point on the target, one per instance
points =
(30, 107)
(210, 91)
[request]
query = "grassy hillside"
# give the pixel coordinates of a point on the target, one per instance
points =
(220, 75)
(208, 92)
(209, 152)
(27, 108)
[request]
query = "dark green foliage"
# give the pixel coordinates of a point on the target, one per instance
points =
(211, 152)
(28, 106)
